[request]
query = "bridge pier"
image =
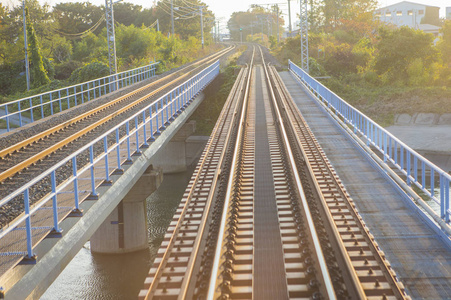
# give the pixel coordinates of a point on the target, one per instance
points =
(125, 229)
(181, 151)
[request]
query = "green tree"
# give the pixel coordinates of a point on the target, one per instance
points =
(187, 17)
(76, 17)
(398, 48)
(330, 14)
(445, 43)
(253, 22)
(37, 71)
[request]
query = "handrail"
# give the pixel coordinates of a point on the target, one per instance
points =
(35, 107)
(147, 122)
(411, 164)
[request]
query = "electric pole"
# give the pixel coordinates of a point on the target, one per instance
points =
(304, 36)
(172, 16)
(289, 16)
(27, 66)
(202, 25)
(112, 61)
(277, 16)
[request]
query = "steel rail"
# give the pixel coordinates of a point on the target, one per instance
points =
(292, 112)
(317, 245)
(37, 137)
(344, 253)
(26, 163)
(194, 186)
(237, 149)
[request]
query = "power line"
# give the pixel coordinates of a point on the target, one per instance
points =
(81, 34)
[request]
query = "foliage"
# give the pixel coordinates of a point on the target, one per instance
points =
(38, 74)
(65, 69)
(76, 17)
(403, 47)
(444, 45)
(64, 49)
(216, 95)
(253, 22)
(186, 19)
(89, 72)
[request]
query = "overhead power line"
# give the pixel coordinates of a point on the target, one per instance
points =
(81, 34)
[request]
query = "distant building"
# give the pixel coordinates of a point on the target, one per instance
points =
(448, 13)
(411, 14)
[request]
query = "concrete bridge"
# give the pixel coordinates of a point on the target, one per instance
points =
(109, 193)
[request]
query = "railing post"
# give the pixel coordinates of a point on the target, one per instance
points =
(446, 200)
(7, 117)
(162, 113)
(137, 135)
(144, 130)
(107, 167)
(59, 100)
(30, 255)
(408, 167)
(76, 197)
(94, 194)
(127, 132)
(152, 138)
(56, 229)
(20, 113)
(68, 98)
(119, 169)
(31, 110)
(442, 197)
(432, 183)
(75, 96)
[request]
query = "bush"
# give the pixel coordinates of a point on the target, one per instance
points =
(89, 71)
(64, 70)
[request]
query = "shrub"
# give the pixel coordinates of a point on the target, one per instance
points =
(89, 71)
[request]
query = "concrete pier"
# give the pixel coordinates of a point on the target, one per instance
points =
(125, 229)
(181, 151)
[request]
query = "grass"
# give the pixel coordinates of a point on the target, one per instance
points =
(383, 103)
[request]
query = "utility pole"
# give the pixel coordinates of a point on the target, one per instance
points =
(27, 66)
(112, 61)
(219, 34)
(172, 16)
(304, 36)
(277, 16)
(289, 16)
(267, 25)
(202, 25)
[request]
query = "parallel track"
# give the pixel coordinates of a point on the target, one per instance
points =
(25, 153)
(316, 244)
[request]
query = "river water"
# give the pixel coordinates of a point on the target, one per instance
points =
(110, 277)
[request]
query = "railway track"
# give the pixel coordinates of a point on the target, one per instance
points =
(25, 159)
(265, 216)
(27, 152)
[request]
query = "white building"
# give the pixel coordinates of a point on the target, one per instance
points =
(448, 13)
(410, 14)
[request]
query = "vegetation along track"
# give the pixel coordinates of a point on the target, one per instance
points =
(25, 159)
(267, 218)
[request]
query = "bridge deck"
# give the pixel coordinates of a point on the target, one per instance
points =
(269, 273)
(419, 256)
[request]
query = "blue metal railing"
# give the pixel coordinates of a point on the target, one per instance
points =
(27, 110)
(147, 125)
(417, 169)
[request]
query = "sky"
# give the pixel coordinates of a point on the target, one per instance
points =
(224, 8)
